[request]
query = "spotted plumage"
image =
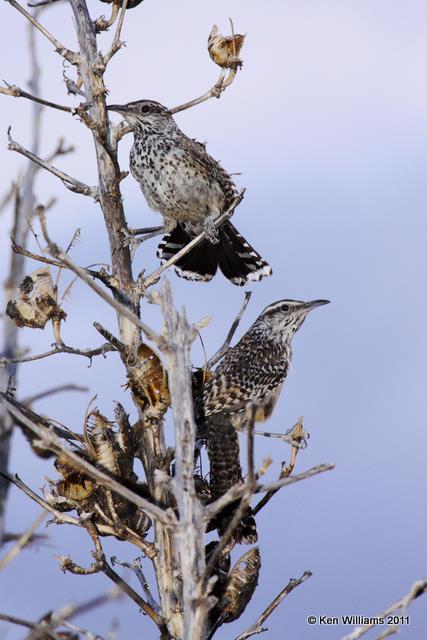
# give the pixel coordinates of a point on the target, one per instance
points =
(252, 372)
(190, 189)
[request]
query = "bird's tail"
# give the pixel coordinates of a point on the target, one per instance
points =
(225, 471)
(238, 261)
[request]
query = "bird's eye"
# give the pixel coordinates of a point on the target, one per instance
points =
(145, 109)
(285, 307)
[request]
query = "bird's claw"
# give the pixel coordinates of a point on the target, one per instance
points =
(212, 234)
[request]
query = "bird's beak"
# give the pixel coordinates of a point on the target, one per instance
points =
(120, 108)
(315, 303)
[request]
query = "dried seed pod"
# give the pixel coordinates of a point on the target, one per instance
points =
(148, 379)
(224, 50)
(36, 302)
(101, 441)
(75, 485)
(241, 585)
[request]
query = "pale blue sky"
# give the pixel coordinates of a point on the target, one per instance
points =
(328, 125)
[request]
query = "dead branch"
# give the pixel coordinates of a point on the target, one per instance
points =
(61, 348)
(52, 391)
(23, 196)
(116, 45)
(16, 92)
(100, 564)
(22, 542)
(69, 55)
(236, 492)
(136, 567)
(221, 351)
(70, 183)
(64, 518)
(257, 627)
(101, 275)
(116, 304)
(179, 336)
(418, 588)
(44, 629)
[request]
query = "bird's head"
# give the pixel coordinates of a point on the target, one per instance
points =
(145, 116)
(286, 316)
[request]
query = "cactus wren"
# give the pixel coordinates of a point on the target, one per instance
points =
(190, 189)
(251, 372)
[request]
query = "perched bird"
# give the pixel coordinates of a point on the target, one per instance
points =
(190, 189)
(252, 372)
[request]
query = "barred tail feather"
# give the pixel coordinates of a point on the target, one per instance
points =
(225, 471)
(201, 263)
(238, 261)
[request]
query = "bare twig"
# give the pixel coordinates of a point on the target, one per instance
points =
(237, 491)
(221, 351)
(16, 92)
(154, 277)
(136, 567)
(22, 542)
(69, 55)
(44, 629)
(417, 589)
(101, 275)
(257, 627)
(116, 44)
(61, 348)
(52, 391)
(110, 573)
(70, 183)
(215, 92)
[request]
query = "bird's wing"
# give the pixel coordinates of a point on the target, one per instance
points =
(211, 167)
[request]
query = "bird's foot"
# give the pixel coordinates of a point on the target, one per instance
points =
(212, 234)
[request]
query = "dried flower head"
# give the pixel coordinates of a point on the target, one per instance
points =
(225, 50)
(36, 302)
